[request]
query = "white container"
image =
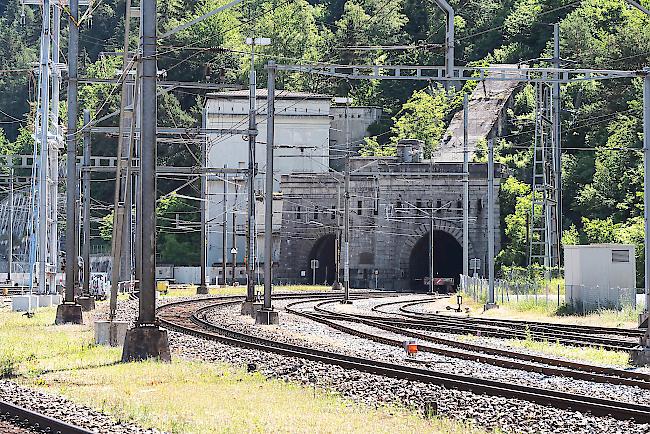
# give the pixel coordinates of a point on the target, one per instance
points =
(599, 275)
(56, 299)
(24, 303)
(44, 300)
(110, 333)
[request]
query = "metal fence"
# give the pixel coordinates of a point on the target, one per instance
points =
(508, 290)
(588, 299)
(579, 297)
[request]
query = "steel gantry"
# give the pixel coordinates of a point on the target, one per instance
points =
(48, 138)
(544, 241)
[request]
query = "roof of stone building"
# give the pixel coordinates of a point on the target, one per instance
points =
(485, 105)
(263, 93)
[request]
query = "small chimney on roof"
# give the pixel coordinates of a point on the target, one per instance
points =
(410, 150)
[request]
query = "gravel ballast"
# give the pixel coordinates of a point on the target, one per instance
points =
(487, 412)
(58, 407)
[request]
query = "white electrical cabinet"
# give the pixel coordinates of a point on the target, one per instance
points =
(600, 276)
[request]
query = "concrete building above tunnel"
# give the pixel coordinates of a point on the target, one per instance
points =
(394, 202)
(311, 133)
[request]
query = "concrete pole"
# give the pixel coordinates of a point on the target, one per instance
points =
(450, 44)
(449, 41)
(346, 237)
(86, 206)
(147, 313)
(224, 229)
(53, 154)
(346, 213)
(126, 218)
(70, 311)
(71, 182)
(465, 187)
(146, 340)
(557, 138)
(431, 258)
(117, 237)
(129, 262)
(490, 210)
(138, 207)
(234, 237)
(337, 243)
(127, 225)
(268, 212)
(203, 286)
(252, 138)
(44, 95)
(646, 192)
(266, 315)
(640, 355)
(10, 254)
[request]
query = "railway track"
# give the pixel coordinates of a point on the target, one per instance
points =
(190, 317)
(536, 325)
(22, 418)
(613, 339)
(483, 354)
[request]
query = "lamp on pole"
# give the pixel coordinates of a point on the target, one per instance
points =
(267, 315)
(252, 165)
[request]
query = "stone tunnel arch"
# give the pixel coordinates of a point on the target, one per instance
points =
(447, 259)
(324, 251)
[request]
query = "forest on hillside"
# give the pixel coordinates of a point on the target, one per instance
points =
(601, 121)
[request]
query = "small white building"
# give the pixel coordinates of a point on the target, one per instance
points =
(600, 275)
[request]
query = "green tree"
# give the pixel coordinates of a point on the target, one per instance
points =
(177, 234)
(515, 206)
(422, 117)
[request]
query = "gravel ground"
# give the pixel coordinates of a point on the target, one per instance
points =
(10, 428)
(297, 330)
(62, 409)
(487, 412)
(486, 341)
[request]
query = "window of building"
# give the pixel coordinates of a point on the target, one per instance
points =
(359, 207)
(418, 206)
(438, 206)
(333, 212)
(316, 213)
(298, 214)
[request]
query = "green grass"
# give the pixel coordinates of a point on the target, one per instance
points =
(538, 310)
(529, 310)
(588, 354)
(31, 346)
(184, 396)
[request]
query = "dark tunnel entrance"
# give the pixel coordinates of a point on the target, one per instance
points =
(323, 251)
(447, 260)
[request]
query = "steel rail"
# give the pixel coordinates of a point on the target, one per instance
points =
(39, 420)
(534, 324)
(560, 367)
(192, 321)
(457, 325)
